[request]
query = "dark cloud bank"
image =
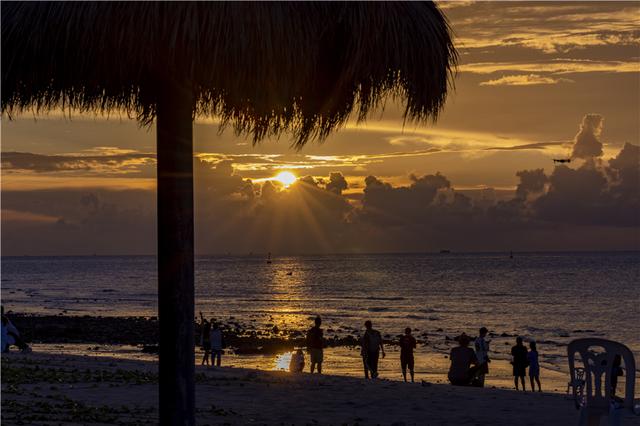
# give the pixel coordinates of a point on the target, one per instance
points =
(592, 205)
(63, 163)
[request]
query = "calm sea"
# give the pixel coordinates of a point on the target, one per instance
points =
(549, 297)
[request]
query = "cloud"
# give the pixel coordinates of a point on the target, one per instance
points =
(13, 216)
(553, 66)
(531, 182)
(452, 4)
(587, 140)
(583, 196)
(593, 206)
(108, 162)
(524, 80)
(535, 146)
(78, 222)
(627, 159)
(382, 204)
(624, 171)
(337, 183)
(546, 28)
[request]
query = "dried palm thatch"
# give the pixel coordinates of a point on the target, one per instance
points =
(262, 67)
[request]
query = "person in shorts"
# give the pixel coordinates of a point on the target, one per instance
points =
(216, 339)
(482, 354)
(371, 348)
(534, 366)
(520, 361)
(315, 345)
(407, 345)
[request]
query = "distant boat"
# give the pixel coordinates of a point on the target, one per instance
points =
(445, 251)
(562, 160)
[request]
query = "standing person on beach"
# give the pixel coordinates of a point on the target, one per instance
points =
(205, 342)
(217, 343)
(534, 367)
(519, 361)
(482, 354)
(315, 345)
(371, 347)
(407, 345)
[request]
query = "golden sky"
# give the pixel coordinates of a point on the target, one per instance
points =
(529, 75)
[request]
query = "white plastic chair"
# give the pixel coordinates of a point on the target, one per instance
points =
(597, 400)
(576, 384)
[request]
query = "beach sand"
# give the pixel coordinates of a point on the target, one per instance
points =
(46, 388)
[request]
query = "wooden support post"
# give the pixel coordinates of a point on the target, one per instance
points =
(175, 255)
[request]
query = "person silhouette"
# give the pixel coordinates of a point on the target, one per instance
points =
(315, 345)
(407, 345)
(205, 342)
(371, 347)
(482, 353)
(534, 366)
(296, 364)
(217, 344)
(11, 335)
(519, 361)
(462, 357)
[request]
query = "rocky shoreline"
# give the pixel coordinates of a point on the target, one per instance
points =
(263, 336)
(143, 331)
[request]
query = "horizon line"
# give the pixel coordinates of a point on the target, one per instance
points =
(444, 252)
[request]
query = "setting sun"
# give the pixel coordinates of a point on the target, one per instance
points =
(285, 178)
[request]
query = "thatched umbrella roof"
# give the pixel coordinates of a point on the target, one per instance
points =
(262, 67)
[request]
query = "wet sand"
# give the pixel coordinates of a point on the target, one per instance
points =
(341, 361)
(43, 388)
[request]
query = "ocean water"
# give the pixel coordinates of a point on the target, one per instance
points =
(549, 297)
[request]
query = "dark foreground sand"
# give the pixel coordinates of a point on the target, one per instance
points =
(63, 389)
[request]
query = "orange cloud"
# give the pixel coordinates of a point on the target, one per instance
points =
(524, 80)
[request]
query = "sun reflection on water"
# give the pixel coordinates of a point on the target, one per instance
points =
(282, 361)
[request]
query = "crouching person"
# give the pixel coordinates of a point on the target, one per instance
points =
(296, 365)
(461, 372)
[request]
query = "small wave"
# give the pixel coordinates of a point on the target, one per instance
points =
(372, 298)
(418, 317)
(342, 315)
(377, 309)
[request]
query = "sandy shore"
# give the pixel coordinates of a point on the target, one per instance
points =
(44, 388)
(431, 365)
